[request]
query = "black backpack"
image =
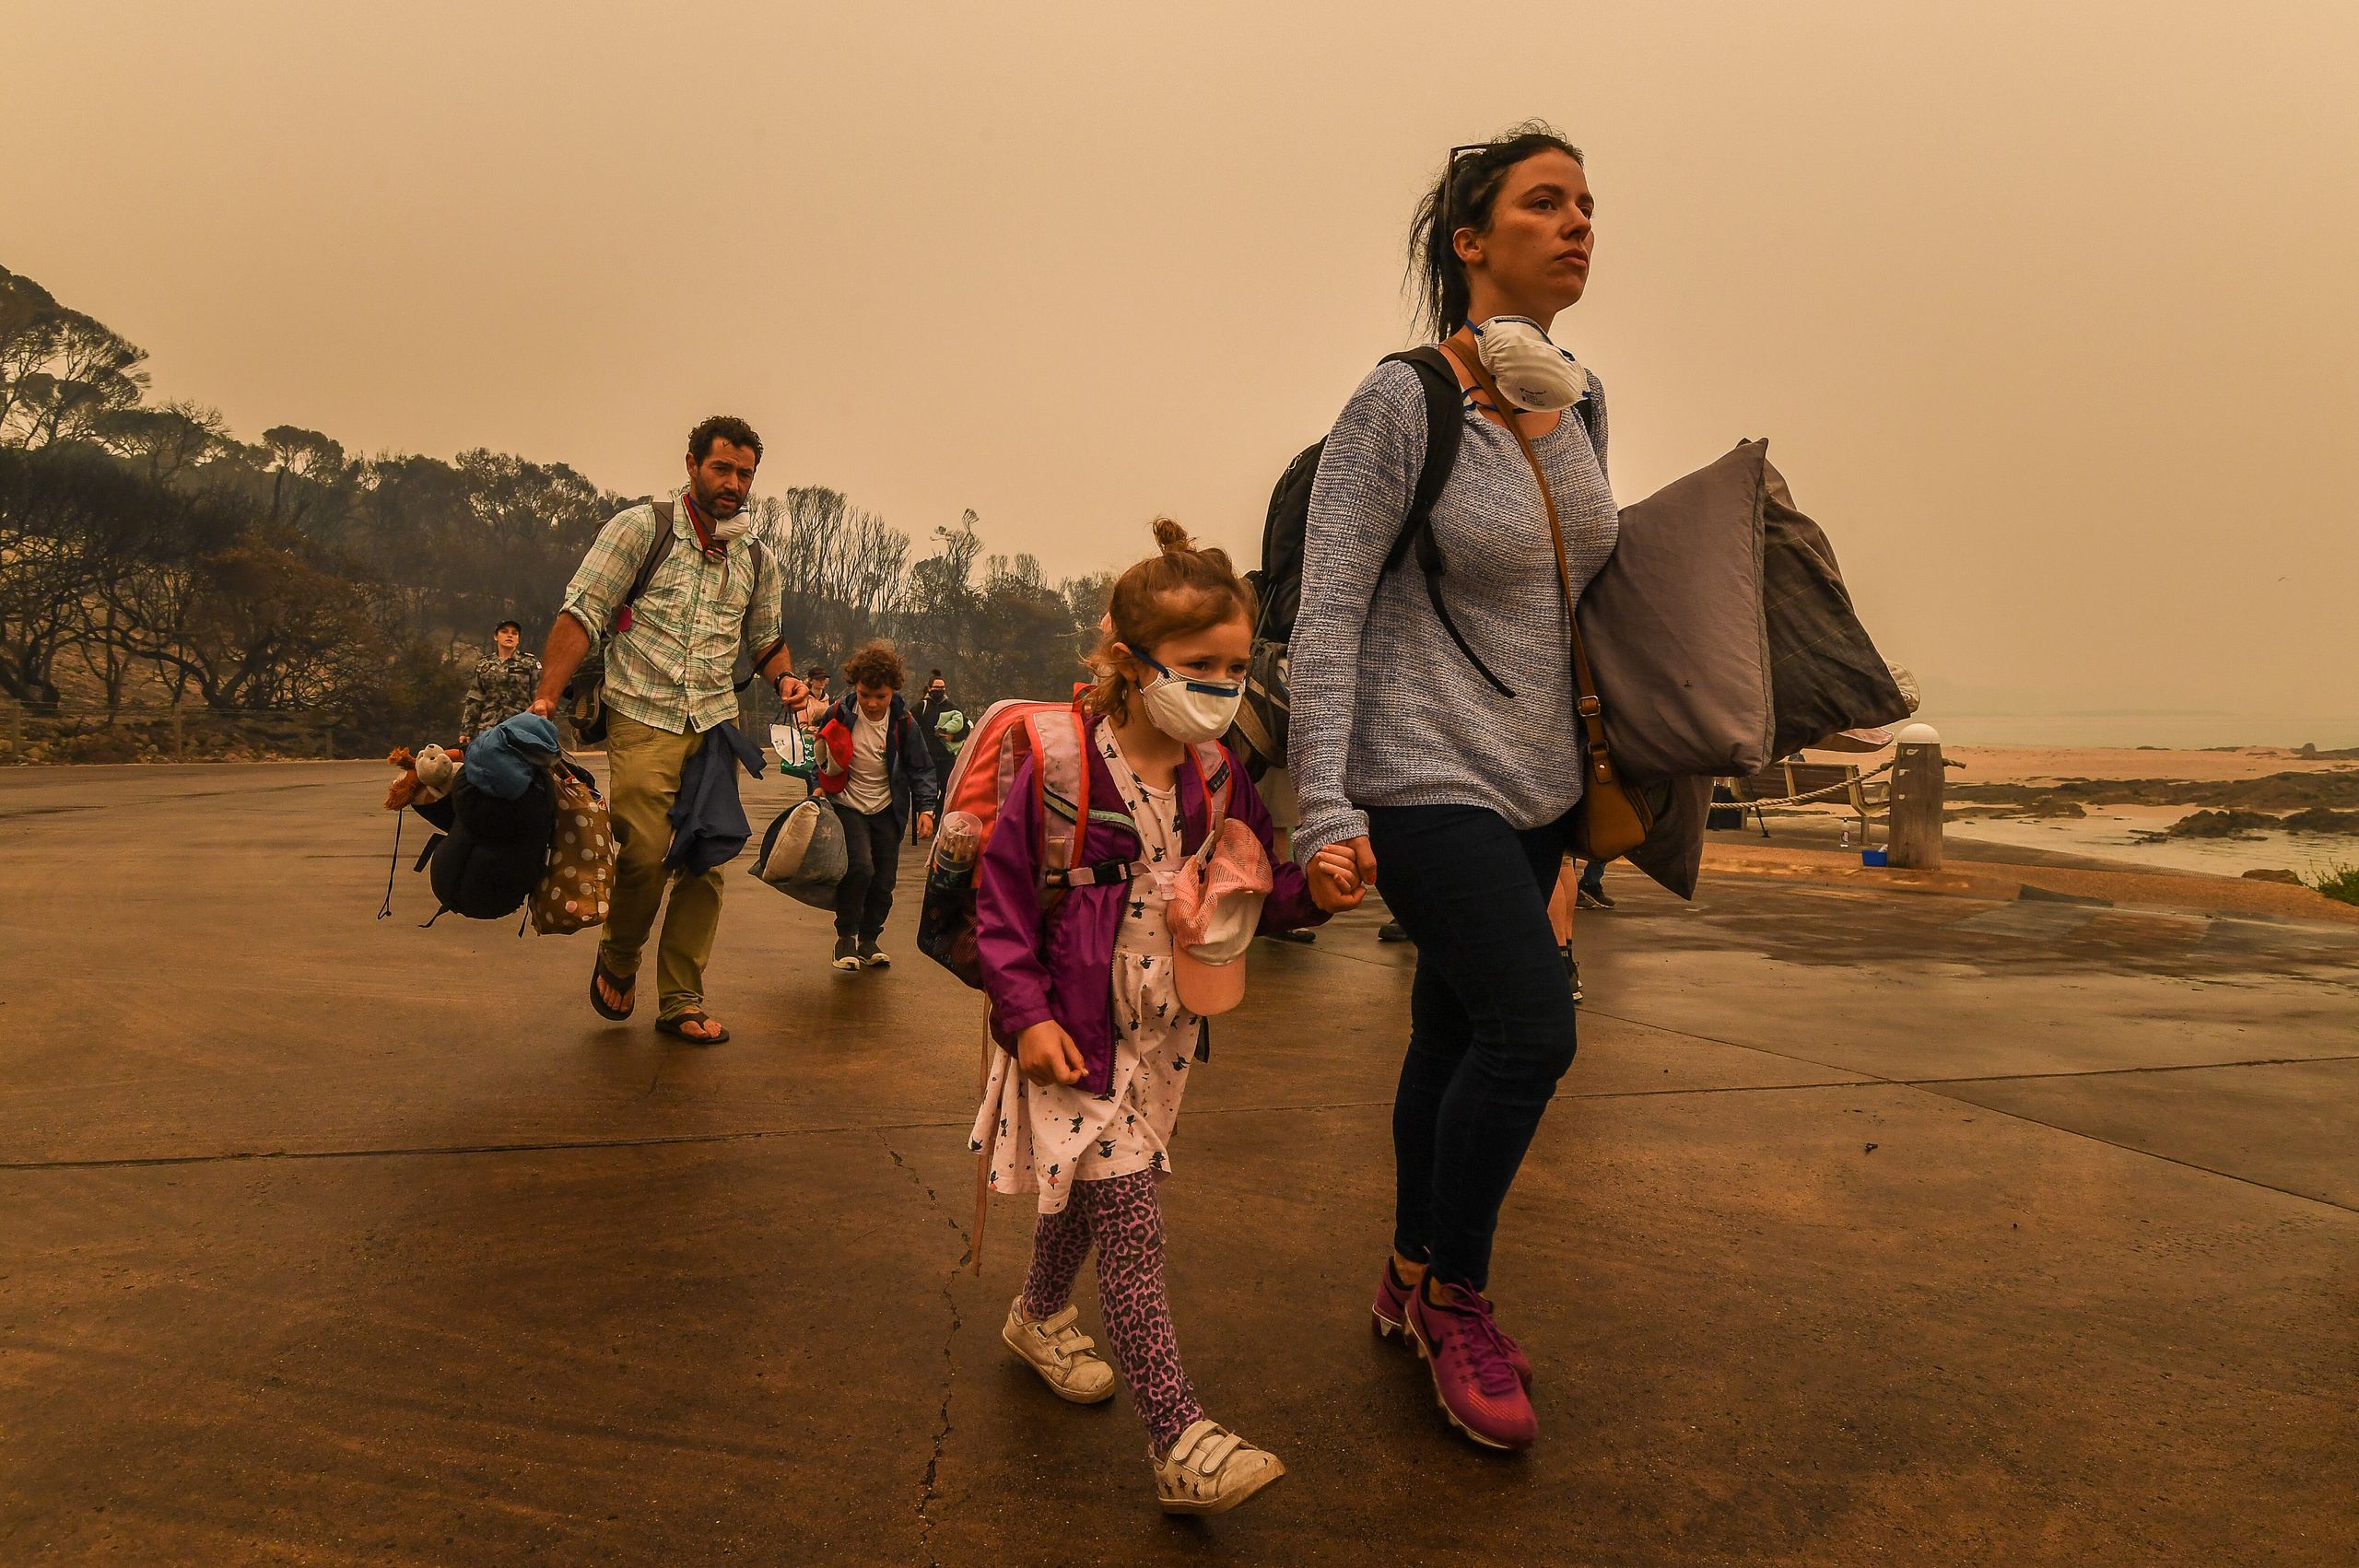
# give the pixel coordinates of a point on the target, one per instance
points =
(1261, 722)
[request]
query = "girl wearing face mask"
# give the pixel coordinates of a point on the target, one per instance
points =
(1082, 1109)
(1446, 753)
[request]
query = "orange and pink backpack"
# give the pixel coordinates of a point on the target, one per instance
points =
(1057, 734)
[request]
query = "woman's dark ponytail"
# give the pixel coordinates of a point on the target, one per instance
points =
(1462, 198)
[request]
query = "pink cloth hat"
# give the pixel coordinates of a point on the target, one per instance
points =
(1214, 908)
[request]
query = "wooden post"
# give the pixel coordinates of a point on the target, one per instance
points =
(1915, 811)
(177, 751)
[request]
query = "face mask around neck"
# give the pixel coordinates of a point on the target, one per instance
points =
(1533, 373)
(715, 528)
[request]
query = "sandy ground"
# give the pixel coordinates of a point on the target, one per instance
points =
(2111, 833)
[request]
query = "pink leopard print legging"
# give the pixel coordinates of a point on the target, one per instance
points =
(1121, 1216)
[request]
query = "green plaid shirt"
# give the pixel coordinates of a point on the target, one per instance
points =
(676, 666)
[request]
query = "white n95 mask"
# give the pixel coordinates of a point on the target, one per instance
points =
(1189, 710)
(1533, 372)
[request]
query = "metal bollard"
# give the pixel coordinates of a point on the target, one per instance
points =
(1915, 811)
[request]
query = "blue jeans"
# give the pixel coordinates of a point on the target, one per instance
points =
(1491, 1020)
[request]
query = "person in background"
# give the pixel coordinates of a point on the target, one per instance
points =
(1591, 895)
(816, 700)
(1563, 900)
(671, 665)
(876, 768)
(951, 729)
(504, 682)
(932, 708)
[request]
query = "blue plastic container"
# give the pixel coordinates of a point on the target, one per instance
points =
(1875, 857)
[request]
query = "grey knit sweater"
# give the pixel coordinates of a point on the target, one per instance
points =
(1386, 710)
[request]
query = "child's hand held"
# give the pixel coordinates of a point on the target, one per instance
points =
(1332, 888)
(1341, 861)
(1334, 875)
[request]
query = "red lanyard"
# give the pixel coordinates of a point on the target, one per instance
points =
(705, 541)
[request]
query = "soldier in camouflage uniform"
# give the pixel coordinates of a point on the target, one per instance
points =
(504, 684)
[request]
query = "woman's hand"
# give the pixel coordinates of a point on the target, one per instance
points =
(1046, 1054)
(1363, 858)
(1334, 877)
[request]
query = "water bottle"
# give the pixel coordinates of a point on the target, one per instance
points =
(956, 841)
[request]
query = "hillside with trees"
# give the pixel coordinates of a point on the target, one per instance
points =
(154, 564)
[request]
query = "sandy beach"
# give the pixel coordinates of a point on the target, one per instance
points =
(2055, 817)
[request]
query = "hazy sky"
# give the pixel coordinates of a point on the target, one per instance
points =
(2046, 308)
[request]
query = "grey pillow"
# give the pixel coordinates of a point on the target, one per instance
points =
(804, 854)
(1676, 629)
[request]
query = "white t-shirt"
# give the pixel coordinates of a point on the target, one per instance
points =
(869, 792)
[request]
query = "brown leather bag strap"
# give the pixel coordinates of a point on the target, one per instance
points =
(1592, 710)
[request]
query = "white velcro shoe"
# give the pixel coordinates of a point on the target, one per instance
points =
(1066, 1359)
(1211, 1470)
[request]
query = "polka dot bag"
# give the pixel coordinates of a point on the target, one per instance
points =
(579, 879)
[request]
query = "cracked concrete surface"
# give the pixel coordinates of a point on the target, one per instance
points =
(1865, 1229)
(950, 1361)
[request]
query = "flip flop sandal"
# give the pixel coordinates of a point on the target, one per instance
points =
(626, 984)
(672, 1026)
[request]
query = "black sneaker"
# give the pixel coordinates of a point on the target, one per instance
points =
(872, 956)
(847, 953)
(1300, 939)
(1391, 931)
(1587, 900)
(1572, 970)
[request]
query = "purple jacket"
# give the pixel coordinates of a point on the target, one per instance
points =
(1063, 967)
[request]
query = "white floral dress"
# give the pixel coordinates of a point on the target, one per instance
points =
(1044, 1138)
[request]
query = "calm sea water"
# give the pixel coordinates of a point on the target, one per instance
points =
(2177, 731)
(2115, 837)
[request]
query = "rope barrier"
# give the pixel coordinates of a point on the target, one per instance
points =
(1843, 788)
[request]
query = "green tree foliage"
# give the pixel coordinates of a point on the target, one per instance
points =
(148, 556)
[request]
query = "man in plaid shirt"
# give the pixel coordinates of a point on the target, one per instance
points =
(670, 658)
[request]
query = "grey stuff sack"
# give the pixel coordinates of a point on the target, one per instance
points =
(1723, 638)
(804, 854)
(1827, 675)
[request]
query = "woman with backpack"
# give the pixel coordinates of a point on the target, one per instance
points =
(1434, 726)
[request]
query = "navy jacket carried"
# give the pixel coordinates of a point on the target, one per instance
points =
(709, 826)
(908, 763)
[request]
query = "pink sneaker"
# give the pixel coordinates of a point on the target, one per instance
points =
(1390, 1316)
(1474, 1380)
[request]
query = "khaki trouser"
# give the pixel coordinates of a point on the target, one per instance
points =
(643, 766)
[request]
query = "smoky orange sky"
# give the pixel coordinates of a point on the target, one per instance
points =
(2046, 308)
